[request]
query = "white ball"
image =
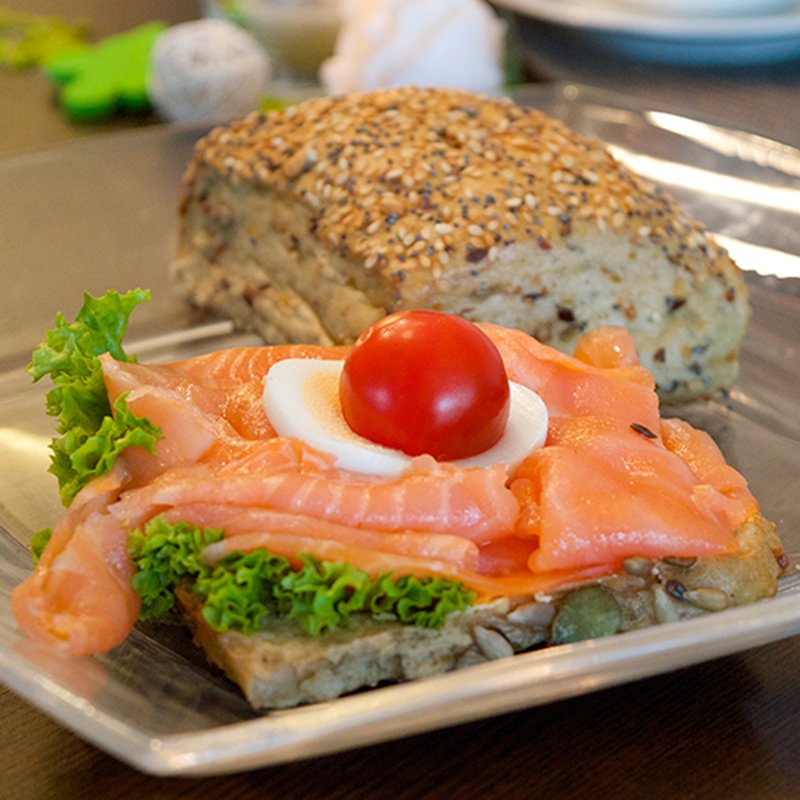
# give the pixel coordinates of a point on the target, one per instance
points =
(208, 70)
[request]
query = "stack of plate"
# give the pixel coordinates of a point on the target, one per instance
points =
(714, 32)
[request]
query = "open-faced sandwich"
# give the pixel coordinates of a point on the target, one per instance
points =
(309, 224)
(329, 518)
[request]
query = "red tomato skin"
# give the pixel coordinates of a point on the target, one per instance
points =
(426, 382)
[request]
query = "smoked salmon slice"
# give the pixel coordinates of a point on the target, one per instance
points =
(79, 599)
(722, 490)
(607, 347)
(229, 369)
(189, 415)
(247, 529)
(474, 503)
(607, 492)
(403, 562)
(573, 388)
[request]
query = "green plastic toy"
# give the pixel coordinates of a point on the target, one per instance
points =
(108, 76)
(28, 40)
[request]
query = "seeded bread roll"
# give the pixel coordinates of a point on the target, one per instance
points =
(282, 666)
(309, 224)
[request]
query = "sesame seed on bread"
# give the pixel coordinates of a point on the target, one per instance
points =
(309, 224)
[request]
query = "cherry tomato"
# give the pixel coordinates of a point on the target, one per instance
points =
(426, 382)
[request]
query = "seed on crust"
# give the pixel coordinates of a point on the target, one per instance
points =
(638, 566)
(664, 606)
(681, 563)
(533, 614)
(477, 155)
(492, 644)
(707, 598)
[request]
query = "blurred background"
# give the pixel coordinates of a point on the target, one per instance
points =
(737, 67)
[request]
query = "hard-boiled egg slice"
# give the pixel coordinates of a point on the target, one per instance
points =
(301, 399)
(526, 431)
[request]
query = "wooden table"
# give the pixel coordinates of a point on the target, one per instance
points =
(727, 730)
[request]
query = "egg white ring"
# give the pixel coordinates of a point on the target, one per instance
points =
(316, 418)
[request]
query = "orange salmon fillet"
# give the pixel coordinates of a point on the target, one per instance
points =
(606, 492)
(79, 599)
(475, 502)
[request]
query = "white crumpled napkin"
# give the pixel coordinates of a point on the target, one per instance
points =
(444, 43)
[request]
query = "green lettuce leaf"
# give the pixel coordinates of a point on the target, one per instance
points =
(244, 589)
(163, 554)
(79, 455)
(91, 437)
(38, 543)
(238, 593)
(324, 594)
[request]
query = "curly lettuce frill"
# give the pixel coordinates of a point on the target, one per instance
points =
(244, 589)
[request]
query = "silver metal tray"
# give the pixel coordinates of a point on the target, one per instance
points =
(152, 702)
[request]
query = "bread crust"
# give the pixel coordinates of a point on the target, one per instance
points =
(311, 223)
(281, 666)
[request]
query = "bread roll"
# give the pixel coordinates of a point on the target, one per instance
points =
(307, 225)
